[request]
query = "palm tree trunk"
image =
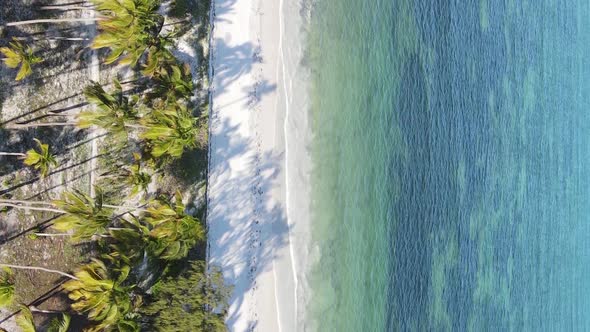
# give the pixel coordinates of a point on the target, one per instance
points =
(37, 268)
(41, 124)
(89, 20)
(25, 207)
(16, 154)
(53, 38)
(136, 126)
(51, 312)
(52, 234)
(64, 8)
(16, 201)
(66, 234)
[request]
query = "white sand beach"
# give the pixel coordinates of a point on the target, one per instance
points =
(257, 197)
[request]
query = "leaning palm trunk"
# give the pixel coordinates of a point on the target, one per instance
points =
(16, 154)
(38, 268)
(52, 234)
(64, 8)
(29, 203)
(33, 208)
(88, 20)
(52, 39)
(60, 124)
(40, 124)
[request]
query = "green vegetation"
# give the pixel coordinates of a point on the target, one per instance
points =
(6, 287)
(17, 55)
(177, 302)
(41, 159)
(146, 271)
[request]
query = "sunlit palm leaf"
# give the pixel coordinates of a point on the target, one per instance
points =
(129, 29)
(84, 215)
(6, 287)
(60, 325)
(100, 294)
(173, 233)
(170, 131)
(41, 158)
(24, 320)
(16, 54)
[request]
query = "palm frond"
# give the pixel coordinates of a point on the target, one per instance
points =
(60, 325)
(17, 54)
(6, 287)
(84, 215)
(100, 294)
(24, 320)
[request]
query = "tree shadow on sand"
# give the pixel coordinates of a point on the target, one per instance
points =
(247, 224)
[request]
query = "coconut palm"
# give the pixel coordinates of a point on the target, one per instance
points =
(85, 20)
(25, 321)
(18, 55)
(52, 206)
(159, 56)
(129, 242)
(172, 232)
(6, 287)
(80, 213)
(85, 216)
(130, 27)
(36, 268)
(173, 83)
(114, 110)
(101, 294)
(170, 130)
(135, 178)
(60, 325)
(41, 159)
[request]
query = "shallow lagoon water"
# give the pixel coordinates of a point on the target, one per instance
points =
(451, 164)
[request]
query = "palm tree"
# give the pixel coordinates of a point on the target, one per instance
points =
(6, 287)
(173, 83)
(41, 159)
(80, 213)
(60, 325)
(84, 215)
(101, 293)
(114, 110)
(85, 20)
(18, 55)
(172, 232)
(134, 177)
(129, 28)
(25, 321)
(170, 130)
(159, 57)
(36, 268)
(95, 290)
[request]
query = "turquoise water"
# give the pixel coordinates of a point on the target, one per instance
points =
(451, 165)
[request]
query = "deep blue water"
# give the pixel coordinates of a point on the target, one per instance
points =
(451, 158)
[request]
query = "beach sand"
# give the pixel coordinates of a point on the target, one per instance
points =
(257, 201)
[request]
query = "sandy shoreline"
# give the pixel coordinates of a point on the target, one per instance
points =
(258, 163)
